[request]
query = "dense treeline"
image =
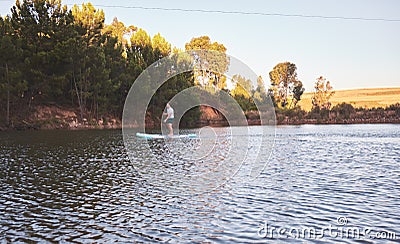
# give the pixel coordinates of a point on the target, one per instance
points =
(323, 112)
(343, 113)
(57, 58)
(53, 55)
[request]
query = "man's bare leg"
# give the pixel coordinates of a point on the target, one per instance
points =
(171, 130)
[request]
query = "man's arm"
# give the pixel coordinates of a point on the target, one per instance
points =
(165, 120)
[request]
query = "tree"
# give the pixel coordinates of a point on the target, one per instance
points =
(322, 94)
(242, 87)
(11, 84)
(90, 74)
(141, 49)
(120, 80)
(41, 27)
(343, 110)
(260, 93)
(298, 91)
(160, 46)
(242, 92)
(91, 21)
(52, 55)
(211, 62)
(285, 87)
(118, 30)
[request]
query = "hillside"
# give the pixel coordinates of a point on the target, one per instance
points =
(366, 98)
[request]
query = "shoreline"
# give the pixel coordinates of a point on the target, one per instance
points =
(50, 117)
(212, 124)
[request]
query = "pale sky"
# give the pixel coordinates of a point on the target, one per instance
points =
(349, 53)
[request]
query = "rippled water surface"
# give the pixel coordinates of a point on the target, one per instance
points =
(80, 186)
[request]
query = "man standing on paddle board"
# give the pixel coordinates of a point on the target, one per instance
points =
(169, 112)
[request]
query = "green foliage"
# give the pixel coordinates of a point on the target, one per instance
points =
(395, 108)
(243, 92)
(118, 30)
(211, 64)
(161, 46)
(40, 27)
(294, 113)
(260, 93)
(190, 118)
(166, 92)
(50, 54)
(247, 104)
(90, 20)
(11, 84)
(285, 87)
(242, 88)
(90, 76)
(343, 110)
(322, 94)
(318, 113)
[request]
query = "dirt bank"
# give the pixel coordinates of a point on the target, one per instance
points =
(57, 117)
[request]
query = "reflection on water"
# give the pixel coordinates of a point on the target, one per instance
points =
(80, 186)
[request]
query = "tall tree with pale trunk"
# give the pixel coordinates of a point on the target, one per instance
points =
(322, 94)
(286, 88)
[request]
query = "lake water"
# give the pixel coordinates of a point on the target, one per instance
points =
(322, 183)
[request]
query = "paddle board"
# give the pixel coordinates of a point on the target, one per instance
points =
(159, 136)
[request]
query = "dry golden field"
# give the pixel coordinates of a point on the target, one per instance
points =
(366, 98)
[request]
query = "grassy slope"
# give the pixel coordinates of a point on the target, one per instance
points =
(367, 98)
